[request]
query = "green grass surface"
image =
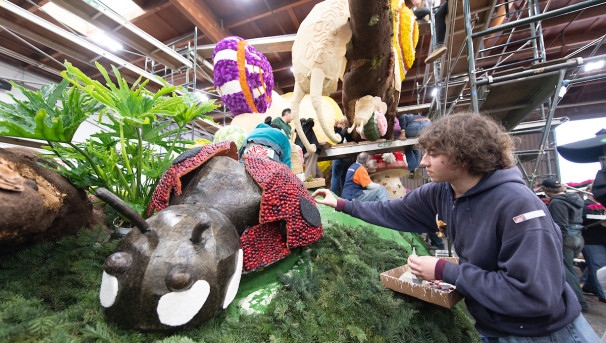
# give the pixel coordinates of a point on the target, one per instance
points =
(329, 292)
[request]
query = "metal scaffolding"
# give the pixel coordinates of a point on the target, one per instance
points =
(507, 81)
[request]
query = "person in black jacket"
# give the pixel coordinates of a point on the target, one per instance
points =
(310, 158)
(594, 251)
(567, 211)
(340, 165)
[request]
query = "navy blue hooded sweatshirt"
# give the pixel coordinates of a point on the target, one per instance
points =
(510, 250)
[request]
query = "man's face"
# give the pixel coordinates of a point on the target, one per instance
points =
(287, 117)
(439, 168)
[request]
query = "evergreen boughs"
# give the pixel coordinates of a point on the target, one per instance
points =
(333, 294)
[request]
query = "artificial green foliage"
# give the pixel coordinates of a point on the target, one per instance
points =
(132, 105)
(333, 294)
(137, 119)
(39, 117)
(136, 145)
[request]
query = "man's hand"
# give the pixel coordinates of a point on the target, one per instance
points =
(423, 266)
(327, 198)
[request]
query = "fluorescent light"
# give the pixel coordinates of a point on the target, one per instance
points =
(434, 92)
(594, 65)
(125, 8)
(104, 40)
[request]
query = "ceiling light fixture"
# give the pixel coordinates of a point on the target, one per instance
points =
(102, 39)
(594, 65)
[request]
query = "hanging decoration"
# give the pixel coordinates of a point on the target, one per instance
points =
(243, 76)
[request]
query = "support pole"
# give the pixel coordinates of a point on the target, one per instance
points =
(471, 63)
(552, 107)
(560, 11)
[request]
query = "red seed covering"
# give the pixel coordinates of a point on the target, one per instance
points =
(262, 245)
(171, 179)
(280, 201)
(284, 198)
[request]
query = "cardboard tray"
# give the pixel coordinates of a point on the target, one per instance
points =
(315, 183)
(391, 280)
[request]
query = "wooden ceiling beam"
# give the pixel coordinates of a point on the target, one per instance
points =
(264, 45)
(294, 18)
(203, 17)
(261, 13)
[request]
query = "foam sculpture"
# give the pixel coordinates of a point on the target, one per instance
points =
(370, 117)
(214, 218)
(318, 57)
(248, 121)
(382, 42)
(374, 61)
(330, 111)
(242, 76)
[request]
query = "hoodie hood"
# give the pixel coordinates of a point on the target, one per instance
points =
(571, 199)
(494, 179)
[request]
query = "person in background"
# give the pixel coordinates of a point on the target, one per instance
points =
(510, 267)
(340, 165)
(310, 158)
(594, 251)
(440, 29)
(566, 209)
(436, 242)
(267, 141)
(284, 122)
(413, 124)
(358, 185)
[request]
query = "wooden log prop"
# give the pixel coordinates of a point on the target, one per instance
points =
(384, 36)
(37, 203)
(370, 61)
(217, 218)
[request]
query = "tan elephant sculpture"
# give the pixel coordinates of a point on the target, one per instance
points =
(319, 60)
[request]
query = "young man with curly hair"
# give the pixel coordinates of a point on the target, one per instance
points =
(510, 250)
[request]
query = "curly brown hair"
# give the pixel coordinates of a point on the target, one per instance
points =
(471, 140)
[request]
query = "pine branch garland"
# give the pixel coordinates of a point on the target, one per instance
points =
(333, 294)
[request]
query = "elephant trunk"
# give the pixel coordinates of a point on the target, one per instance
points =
(316, 102)
(296, 102)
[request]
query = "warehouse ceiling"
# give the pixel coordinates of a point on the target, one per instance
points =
(36, 36)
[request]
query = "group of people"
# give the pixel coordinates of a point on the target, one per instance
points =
(272, 139)
(515, 253)
(510, 247)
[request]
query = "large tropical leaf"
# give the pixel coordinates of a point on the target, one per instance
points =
(191, 108)
(40, 117)
(134, 105)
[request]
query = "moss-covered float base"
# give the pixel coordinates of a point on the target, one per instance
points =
(333, 294)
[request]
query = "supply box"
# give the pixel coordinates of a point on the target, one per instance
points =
(442, 298)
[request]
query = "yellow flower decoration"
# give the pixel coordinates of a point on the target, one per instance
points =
(406, 35)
